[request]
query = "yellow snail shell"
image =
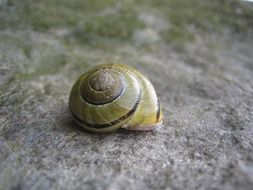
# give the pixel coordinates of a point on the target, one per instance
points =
(113, 96)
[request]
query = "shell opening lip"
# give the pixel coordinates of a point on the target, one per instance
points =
(99, 126)
(158, 112)
(144, 127)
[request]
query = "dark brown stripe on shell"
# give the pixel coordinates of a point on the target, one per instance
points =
(106, 102)
(158, 111)
(84, 98)
(115, 122)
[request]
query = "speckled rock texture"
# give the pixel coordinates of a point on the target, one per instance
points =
(198, 55)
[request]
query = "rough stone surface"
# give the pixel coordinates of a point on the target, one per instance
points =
(198, 55)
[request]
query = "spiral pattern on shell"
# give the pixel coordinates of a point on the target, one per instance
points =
(112, 96)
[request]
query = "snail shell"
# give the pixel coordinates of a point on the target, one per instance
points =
(113, 96)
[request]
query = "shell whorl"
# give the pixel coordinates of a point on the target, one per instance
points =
(102, 87)
(111, 96)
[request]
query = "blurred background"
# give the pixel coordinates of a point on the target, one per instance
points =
(198, 55)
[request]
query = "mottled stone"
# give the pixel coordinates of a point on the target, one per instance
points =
(204, 85)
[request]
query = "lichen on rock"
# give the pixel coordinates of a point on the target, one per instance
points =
(198, 55)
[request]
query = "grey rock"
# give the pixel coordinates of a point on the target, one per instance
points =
(205, 87)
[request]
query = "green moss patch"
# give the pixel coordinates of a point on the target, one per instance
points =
(119, 25)
(202, 17)
(46, 14)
